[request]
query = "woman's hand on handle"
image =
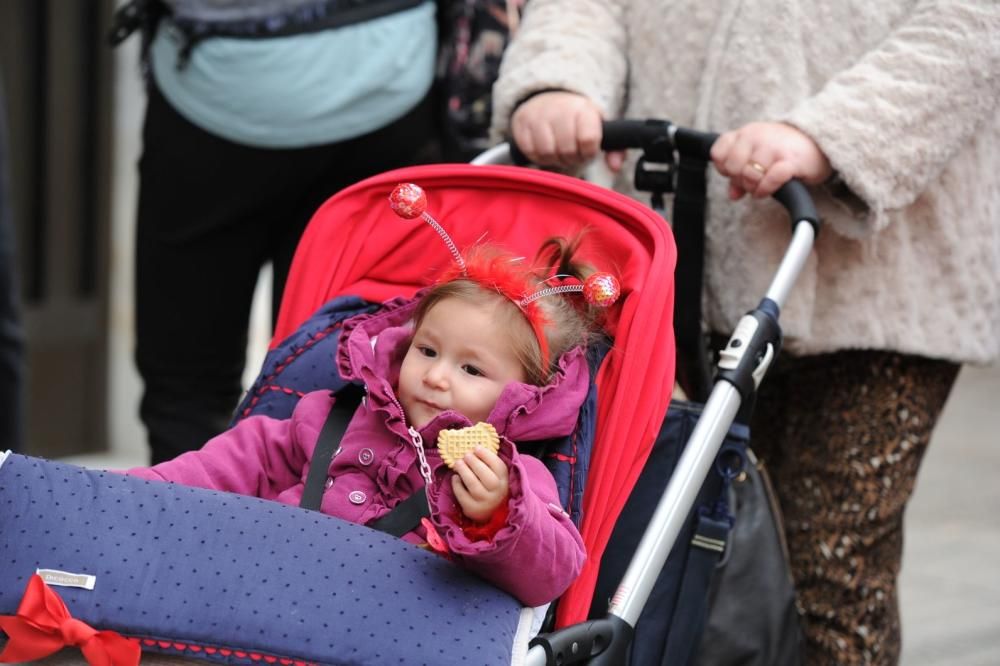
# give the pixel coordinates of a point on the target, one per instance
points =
(560, 129)
(760, 157)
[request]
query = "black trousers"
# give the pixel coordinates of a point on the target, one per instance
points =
(211, 214)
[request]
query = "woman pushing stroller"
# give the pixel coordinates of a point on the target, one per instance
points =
(495, 346)
(889, 112)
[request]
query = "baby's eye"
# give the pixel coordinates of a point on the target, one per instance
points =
(426, 351)
(473, 370)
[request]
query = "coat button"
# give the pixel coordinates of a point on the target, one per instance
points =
(329, 482)
(366, 456)
(357, 497)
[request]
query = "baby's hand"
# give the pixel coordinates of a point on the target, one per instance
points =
(758, 158)
(480, 483)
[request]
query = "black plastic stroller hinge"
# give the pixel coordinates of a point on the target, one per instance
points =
(603, 641)
(656, 177)
(656, 168)
(753, 345)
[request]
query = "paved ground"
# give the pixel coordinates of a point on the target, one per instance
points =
(950, 584)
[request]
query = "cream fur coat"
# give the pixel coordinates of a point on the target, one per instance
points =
(902, 96)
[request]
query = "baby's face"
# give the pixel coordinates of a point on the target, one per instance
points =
(459, 359)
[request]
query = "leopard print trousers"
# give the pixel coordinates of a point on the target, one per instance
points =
(843, 435)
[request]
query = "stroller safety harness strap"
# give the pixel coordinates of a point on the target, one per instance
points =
(403, 518)
(327, 444)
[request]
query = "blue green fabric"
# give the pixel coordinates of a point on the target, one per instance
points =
(302, 90)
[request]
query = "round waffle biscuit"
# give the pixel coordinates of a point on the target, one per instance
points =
(454, 444)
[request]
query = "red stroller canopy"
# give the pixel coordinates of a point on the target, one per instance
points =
(355, 245)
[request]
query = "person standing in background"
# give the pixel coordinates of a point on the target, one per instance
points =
(11, 336)
(473, 38)
(889, 112)
(257, 113)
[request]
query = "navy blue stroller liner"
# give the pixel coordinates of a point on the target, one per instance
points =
(302, 362)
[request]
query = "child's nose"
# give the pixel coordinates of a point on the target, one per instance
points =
(436, 376)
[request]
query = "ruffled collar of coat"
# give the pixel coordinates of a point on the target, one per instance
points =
(371, 351)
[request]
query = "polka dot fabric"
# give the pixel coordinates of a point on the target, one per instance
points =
(238, 580)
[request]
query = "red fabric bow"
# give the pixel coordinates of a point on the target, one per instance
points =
(43, 626)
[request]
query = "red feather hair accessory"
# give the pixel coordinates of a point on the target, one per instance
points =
(508, 277)
(501, 273)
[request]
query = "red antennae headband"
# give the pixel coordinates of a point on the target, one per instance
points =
(408, 201)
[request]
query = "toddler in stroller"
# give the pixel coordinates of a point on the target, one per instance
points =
(487, 356)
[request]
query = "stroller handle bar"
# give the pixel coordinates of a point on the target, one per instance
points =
(658, 135)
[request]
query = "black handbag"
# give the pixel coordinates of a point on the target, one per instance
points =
(724, 595)
(752, 617)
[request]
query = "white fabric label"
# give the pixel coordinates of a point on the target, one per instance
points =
(67, 579)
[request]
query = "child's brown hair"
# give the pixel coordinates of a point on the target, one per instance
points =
(569, 320)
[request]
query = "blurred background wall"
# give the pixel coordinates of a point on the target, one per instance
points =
(57, 72)
(75, 108)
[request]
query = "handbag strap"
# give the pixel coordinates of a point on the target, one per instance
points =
(404, 516)
(691, 610)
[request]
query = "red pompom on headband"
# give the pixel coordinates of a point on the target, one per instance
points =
(599, 289)
(408, 201)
